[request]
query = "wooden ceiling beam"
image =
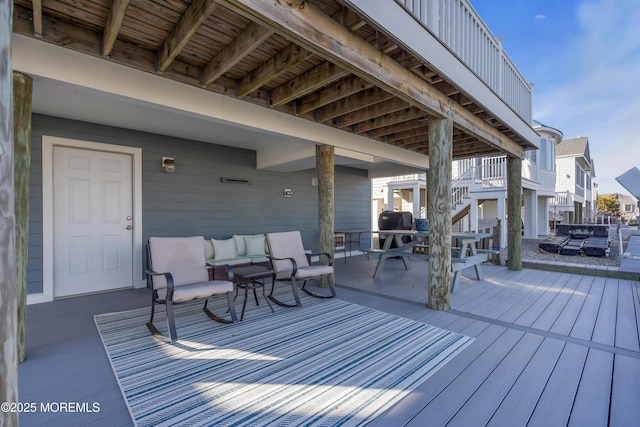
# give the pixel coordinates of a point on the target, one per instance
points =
(114, 22)
(288, 58)
(187, 26)
(341, 89)
(246, 42)
(399, 127)
(394, 118)
(36, 7)
(311, 81)
(332, 93)
(374, 111)
(353, 103)
(409, 133)
(316, 31)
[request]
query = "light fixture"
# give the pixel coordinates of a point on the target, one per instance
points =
(169, 164)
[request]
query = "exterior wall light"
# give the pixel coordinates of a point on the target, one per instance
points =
(169, 164)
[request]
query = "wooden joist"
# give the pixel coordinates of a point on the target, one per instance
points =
(311, 81)
(187, 26)
(248, 40)
(111, 30)
(288, 58)
(317, 32)
(353, 103)
(37, 17)
(378, 110)
(332, 93)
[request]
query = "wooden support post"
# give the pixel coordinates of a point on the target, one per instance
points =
(8, 302)
(325, 171)
(514, 212)
(439, 211)
(22, 99)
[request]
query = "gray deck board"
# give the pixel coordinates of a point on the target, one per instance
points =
(591, 405)
(551, 313)
(635, 287)
(543, 353)
(567, 318)
(625, 393)
(487, 397)
(534, 311)
(518, 405)
(626, 334)
(447, 403)
(604, 330)
(554, 405)
(403, 412)
(525, 299)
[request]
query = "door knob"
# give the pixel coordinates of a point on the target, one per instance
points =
(128, 218)
(129, 227)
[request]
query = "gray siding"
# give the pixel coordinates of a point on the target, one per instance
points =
(193, 201)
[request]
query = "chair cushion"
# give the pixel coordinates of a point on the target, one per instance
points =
(314, 271)
(287, 244)
(208, 249)
(240, 240)
(183, 257)
(224, 249)
(255, 245)
(197, 290)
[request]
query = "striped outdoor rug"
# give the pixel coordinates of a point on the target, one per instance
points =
(327, 363)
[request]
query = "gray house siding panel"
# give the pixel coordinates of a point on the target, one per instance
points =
(193, 200)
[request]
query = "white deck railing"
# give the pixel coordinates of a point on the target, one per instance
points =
(461, 29)
(563, 198)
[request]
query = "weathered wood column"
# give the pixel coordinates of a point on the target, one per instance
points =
(8, 302)
(514, 212)
(22, 99)
(325, 171)
(439, 211)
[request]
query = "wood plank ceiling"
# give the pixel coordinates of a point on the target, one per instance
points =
(202, 43)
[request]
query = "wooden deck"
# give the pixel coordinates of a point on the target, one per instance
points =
(551, 349)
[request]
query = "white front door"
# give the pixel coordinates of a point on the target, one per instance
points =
(92, 209)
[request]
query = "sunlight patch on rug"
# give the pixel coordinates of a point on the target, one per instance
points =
(327, 363)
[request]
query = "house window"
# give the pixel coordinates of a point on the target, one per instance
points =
(551, 153)
(531, 155)
(543, 154)
(628, 208)
(579, 176)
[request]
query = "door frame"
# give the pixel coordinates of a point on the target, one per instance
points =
(48, 145)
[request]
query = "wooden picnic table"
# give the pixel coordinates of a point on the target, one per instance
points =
(465, 256)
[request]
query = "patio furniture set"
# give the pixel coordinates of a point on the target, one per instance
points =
(178, 271)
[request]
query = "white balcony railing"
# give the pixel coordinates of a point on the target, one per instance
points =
(461, 29)
(410, 177)
(563, 199)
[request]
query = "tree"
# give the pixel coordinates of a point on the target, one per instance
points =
(608, 205)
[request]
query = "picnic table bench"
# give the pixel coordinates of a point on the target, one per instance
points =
(467, 255)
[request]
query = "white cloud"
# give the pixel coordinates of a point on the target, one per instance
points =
(600, 99)
(541, 16)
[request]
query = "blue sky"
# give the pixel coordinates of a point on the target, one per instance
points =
(583, 57)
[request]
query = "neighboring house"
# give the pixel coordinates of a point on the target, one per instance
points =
(628, 207)
(241, 104)
(575, 189)
(479, 194)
